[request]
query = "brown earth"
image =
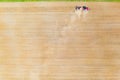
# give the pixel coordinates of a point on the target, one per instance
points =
(47, 41)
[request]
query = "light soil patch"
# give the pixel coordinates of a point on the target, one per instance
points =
(47, 41)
